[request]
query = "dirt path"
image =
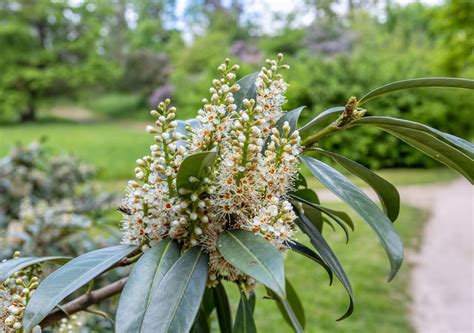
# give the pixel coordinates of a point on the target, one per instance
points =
(442, 276)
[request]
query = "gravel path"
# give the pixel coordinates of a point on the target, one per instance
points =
(442, 276)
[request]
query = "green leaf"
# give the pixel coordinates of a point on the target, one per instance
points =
(387, 193)
(252, 300)
(313, 214)
(142, 283)
(366, 208)
(291, 117)
(320, 118)
(291, 308)
(435, 148)
(197, 166)
(11, 266)
(68, 278)
(223, 308)
(176, 303)
(461, 144)
(244, 322)
(248, 90)
(308, 253)
(418, 83)
(320, 244)
(311, 207)
(208, 304)
(201, 324)
(254, 256)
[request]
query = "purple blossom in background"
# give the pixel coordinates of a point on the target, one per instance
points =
(160, 94)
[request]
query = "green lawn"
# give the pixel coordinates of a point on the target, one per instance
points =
(113, 148)
(380, 307)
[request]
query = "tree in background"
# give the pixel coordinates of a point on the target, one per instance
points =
(49, 48)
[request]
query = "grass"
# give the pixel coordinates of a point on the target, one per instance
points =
(380, 307)
(112, 148)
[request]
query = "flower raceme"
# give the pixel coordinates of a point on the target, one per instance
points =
(255, 169)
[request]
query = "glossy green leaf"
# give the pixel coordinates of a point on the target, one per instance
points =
(387, 193)
(307, 252)
(319, 119)
(68, 278)
(361, 203)
(461, 144)
(254, 256)
(174, 307)
(244, 322)
(435, 148)
(223, 308)
(248, 90)
(142, 282)
(291, 308)
(418, 83)
(323, 248)
(193, 169)
(11, 266)
(291, 117)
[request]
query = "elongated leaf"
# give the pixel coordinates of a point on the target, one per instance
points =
(208, 305)
(11, 266)
(144, 278)
(312, 206)
(435, 148)
(313, 214)
(461, 144)
(252, 300)
(68, 279)
(248, 90)
(291, 117)
(174, 307)
(320, 118)
(197, 166)
(328, 255)
(361, 203)
(201, 324)
(308, 253)
(244, 322)
(291, 308)
(418, 83)
(254, 256)
(223, 308)
(387, 193)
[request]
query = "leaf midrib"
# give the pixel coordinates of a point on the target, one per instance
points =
(175, 309)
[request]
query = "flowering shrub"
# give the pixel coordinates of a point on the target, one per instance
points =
(46, 201)
(220, 197)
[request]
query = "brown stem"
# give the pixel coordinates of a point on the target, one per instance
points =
(83, 302)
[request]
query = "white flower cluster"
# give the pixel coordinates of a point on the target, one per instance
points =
(255, 169)
(15, 292)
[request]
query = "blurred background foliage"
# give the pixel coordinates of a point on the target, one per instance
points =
(118, 59)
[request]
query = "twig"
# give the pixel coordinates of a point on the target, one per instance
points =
(83, 302)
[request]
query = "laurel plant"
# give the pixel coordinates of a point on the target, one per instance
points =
(221, 198)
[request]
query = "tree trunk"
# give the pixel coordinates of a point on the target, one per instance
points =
(29, 114)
